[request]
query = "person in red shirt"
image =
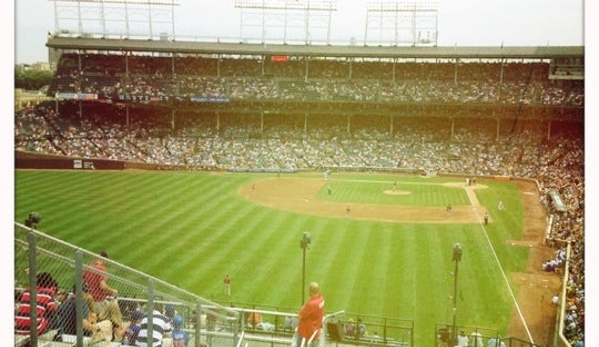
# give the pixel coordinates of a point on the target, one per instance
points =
(310, 317)
(96, 280)
(46, 305)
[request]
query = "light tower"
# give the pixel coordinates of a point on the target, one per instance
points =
(457, 257)
(399, 23)
(304, 245)
(115, 18)
(286, 21)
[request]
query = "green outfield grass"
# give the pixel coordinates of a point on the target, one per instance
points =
(190, 229)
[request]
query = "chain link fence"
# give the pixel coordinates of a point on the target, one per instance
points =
(49, 273)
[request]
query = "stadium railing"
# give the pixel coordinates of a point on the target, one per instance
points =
(36, 253)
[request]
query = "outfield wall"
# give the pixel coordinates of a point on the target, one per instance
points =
(30, 160)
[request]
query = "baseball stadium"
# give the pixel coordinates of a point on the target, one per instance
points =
(434, 195)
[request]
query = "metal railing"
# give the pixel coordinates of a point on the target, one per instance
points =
(37, 253)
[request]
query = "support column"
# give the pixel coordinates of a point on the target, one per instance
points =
(305, 123)
(217, 121)
(348, 124)
(498, 127)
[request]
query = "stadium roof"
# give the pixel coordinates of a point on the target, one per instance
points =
(228, 48)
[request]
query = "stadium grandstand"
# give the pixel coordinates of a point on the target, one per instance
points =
(122, 103)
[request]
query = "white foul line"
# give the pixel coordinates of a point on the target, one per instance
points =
(482, 225)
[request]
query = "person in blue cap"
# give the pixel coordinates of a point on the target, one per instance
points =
(180, 338)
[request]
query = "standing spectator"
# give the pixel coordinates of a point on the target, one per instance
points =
(227, 283)
(96, 279)
(180, 338)
(310, 317)
(46, 305)
(161, 327)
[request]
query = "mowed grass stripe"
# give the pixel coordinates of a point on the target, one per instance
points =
(480, 270)
(152, 212)
(389, 261)
(334, 268)
(349, 291)
(175, 207)
(366, 260)
(434, 280)
(279, 259)
(225, 233)
(405, 242)
(207, 243)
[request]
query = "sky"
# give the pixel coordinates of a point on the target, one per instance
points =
(460, 22)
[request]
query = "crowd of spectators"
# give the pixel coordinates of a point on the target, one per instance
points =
(148, 78)
(428, 144)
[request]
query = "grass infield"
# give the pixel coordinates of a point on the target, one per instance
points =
(190, 229)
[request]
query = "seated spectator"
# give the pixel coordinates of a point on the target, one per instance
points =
(132, 328)
(290, 323)
(254, 319)
(65, 319)
(161, 328)
(495, 342)
(350, 328)
(110, 320)
(180, 338)
(46, 305)
(266, 326)
(361, 328)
